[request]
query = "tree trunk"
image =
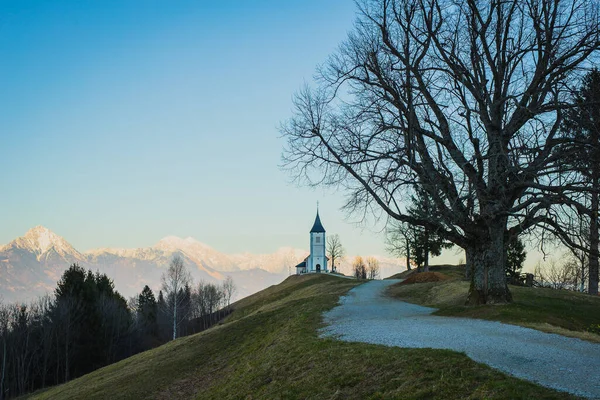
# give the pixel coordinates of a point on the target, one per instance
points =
(3, 368)
(582, 285)
(407, 255)
(67, 338)
(175, 318)
(593, 271)
(426, 251)
(67, 360)
(488, 279)
(468, 263)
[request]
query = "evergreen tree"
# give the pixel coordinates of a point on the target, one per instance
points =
(515, 257)
(163, 317)
(93, 319)
(426, 241)
(148, 310)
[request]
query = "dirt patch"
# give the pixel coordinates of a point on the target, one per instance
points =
(424, 277)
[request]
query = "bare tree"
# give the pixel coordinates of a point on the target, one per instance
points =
(557, 275)
(335, 250)
(373, 268)
(229, 290)
(209, 299)
(579, 227)
(400, 237)
(44, 305)
(579, 267)
(359, 269)
(173, 281)
(460, 99)
(199, 308)
(69, 313)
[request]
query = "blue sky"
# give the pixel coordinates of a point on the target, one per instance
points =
(123, 121)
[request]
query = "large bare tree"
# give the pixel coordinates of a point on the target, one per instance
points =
(462, 99)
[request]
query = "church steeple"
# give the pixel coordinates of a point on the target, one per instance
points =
(317, 227)
(317, 261)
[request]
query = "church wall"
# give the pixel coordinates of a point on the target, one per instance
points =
(317, 251)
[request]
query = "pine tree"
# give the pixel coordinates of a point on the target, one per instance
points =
(147, 310)
(515, 257)
(425, 241)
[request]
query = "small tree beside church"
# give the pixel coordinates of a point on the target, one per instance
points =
(335, 250)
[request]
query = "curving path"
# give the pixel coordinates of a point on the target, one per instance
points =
(554, 361)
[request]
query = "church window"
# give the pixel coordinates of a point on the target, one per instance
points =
(318, 239)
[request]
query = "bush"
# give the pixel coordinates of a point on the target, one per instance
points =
(594, 328)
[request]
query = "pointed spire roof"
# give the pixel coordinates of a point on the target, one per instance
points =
(317, 227)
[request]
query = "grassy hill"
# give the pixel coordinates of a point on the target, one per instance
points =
(269, 348)
(555, 311)
(453, 271)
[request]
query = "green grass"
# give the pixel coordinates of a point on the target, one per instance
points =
(269, 349)
(557, 311)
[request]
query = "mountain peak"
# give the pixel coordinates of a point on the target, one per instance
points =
(41, 239)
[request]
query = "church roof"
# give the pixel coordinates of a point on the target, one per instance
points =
(301, 265)
(317, 227)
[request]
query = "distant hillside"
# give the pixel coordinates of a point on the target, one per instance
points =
(269, 348)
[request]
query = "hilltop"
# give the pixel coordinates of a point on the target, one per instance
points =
(269, 347)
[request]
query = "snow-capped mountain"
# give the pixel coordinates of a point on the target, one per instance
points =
(282, 261)
(32, 264)
(200, 253)
(43, 243)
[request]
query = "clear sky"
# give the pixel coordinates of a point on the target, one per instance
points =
(122, 121)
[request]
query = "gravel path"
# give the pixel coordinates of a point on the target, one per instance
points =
(554, 361)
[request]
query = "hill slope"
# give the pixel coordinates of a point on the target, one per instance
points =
(269, 348)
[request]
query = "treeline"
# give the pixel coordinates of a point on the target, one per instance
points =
(365, 270)
(87, 324)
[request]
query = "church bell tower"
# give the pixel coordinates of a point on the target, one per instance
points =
(318, 257)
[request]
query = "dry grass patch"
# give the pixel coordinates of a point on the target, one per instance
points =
(424, 277)
(431, 294)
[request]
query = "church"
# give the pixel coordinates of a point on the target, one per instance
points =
(317, 260)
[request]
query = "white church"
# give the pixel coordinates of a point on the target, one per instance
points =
(317, 260)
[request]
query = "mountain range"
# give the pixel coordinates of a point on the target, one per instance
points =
(31, 265)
